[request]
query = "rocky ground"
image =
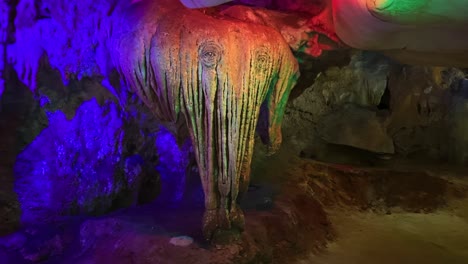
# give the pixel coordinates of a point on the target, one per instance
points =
(297, 211)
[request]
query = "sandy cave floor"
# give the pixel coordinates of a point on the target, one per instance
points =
(366, 238)
(398, 236)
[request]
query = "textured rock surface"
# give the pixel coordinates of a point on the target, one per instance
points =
(361, 83)
(81, 150)
(71, 165)
(356, 127)
(163, 60)
(59, 129)
(420, 109)
(88, 145)
(458, 136)
(189, 68)
(421, 103)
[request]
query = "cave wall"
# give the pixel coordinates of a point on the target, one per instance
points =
(383, 108)
(78, 149)
(72, 141)
(75, 140)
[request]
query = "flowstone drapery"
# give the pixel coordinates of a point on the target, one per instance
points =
(217, 73)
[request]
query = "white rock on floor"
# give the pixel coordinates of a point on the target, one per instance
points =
(181, 241)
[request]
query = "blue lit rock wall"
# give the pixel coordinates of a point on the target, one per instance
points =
(88, 148)
(85, 151)
(173, 166)
(3, 39)
(71, 165)
(84, 144)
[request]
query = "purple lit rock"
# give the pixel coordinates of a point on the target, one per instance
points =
(71, 165)
(172, 166)
(94, 155)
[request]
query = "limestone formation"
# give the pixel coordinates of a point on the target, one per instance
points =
(224, 69)
(216, 73)
(356, 127)
(404, 29)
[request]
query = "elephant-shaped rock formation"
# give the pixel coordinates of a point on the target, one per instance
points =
(217, 73)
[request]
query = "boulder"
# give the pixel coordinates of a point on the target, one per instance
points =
(356, 127)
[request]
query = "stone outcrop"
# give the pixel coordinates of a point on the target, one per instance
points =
(356, 127)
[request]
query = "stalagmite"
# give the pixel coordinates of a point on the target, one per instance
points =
(217, 73)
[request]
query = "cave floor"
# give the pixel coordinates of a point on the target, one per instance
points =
(417, 214)
(399, 236)
(366, 238)
(298, 211)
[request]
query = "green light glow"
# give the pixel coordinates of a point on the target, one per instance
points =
(419, 12)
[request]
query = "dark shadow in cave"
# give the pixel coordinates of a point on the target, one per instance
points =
(385, 99)
(15, 104)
